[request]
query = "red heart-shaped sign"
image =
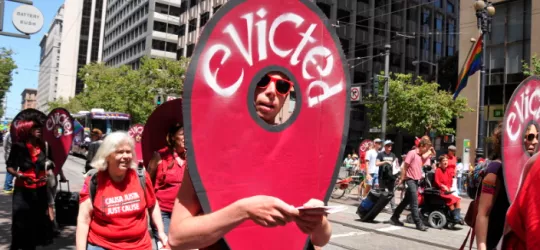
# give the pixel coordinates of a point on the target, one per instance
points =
(58, 132)
(154, 136)
(235, 154)
(521, 119)
(136, 132)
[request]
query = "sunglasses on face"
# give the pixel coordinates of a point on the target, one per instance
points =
(283, 87)
(531, 137)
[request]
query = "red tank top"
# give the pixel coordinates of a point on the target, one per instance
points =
(170, 173)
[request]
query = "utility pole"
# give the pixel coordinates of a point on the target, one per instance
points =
(386, 82)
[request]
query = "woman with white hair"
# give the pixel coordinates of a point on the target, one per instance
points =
(114, 202)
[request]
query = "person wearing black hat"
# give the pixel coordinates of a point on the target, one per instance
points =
(385, 161)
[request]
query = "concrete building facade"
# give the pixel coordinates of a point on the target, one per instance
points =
(81, 43)
(138, 28)
(28, 99)
(508, 45)
(49, 62)
(416, 29)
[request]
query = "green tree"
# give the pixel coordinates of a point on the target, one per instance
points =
(533, 68)
(123, 89)
(417, 106)
(7, 66)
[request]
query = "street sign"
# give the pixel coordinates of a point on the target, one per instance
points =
(27, 19)
(355, 94)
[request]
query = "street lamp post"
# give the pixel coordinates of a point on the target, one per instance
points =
(436, 65)
(484, 13)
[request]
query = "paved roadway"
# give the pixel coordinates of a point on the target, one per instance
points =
(348, 232)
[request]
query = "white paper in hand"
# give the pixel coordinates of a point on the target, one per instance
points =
(326, 209)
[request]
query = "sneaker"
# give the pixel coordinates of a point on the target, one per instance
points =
(8, 191)
(421, 227)
(395, 221)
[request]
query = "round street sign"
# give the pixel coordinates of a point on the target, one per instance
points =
(27, 19)
(355, 93)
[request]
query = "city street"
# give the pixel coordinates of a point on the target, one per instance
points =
(348, 232)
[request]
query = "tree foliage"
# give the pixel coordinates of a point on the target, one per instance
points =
(533, 68)
(122, 89)
(7, 66)
(417, 106)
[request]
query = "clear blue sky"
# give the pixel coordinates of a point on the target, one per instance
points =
(26, 52)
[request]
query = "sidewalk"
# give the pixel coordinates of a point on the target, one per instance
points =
(66, 240)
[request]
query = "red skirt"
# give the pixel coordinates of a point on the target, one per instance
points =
(450, 199)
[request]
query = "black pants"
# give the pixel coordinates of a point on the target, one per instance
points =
(411, 198)
(389, 185)
(30, 225)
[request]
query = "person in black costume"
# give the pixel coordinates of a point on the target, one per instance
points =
(31, 226)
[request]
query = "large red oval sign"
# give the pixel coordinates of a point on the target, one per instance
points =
(58, 133)
(521, 119)
(235, 154)
(154, 134)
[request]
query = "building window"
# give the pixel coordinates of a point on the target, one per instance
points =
(450, 7)
(189, 50)
(175, 11)
(204, 18)
(182, 30)
(193, 3)
(171, 47)
(172, 29)
(183, 7)
(438, 3)
(159, 26)
(157, 44)
(192, 25)
(216, 9)
(162, 8)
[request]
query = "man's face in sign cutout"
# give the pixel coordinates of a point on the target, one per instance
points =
(531, 139)
(268, 100)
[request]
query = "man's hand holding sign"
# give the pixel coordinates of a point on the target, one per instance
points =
(248, 174)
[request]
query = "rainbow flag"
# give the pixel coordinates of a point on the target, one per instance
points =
(472, 65)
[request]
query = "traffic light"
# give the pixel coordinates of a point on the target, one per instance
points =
(375, 85)
(159, 99)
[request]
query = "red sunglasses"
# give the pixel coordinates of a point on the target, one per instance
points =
(283, 87)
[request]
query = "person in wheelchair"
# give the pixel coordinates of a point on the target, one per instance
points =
(443, 181)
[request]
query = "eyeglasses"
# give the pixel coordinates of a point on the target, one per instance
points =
(283, 87)
(530, 137)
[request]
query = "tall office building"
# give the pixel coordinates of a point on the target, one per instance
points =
(137, 28)
(49, 62)
(80, 44)
(508, 45)
(417, 30)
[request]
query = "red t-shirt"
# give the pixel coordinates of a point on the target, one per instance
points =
(119, 218)
(452, 162)
(31, 172)
(168, 180)
(523, 216)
